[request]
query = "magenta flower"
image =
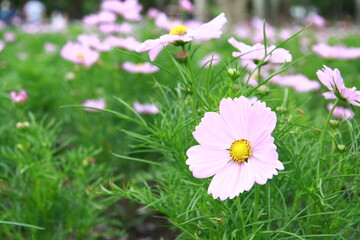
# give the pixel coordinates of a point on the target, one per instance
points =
(341, 112)
(236, 147)
(145, 108)
(257, 52)
(335, 83)
(181, 34)
(144, 68)
(99, 103)
(80, 54)
(20, 97)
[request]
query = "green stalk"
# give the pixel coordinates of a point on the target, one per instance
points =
(327, 126)
(256, 206)
(240, 210)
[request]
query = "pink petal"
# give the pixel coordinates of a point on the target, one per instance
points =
(224, 183)
(329, 95)
(205, 162)
(212, 132)
(234, 112)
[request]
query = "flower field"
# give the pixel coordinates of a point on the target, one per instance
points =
(134, 125)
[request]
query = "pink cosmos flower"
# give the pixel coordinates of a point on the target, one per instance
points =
(316, 20)
(299, 82)
(144, 68)
(2, 45)
(257, 52)
(145, 108)
(182, 34)
(336, 52)
(80, 54)
(128, 43)
(162, 21)
(341, 112)
(128, 9)
(2, 25)
(212, 58)
(153, 13)
(186, 5)
(99, 103)
(335, 83)
(236, 147)
(9, 37)
(20, 97)
(50, 47)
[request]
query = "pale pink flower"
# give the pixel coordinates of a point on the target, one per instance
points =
(162, 21)
(50, 47)
(299, 82)
(80, 54)
(335, 83)
(182, 34)
(2, 25)
(144, 68)
(128, 9)
(106, 17)
(236, 147)
(153, 13)
(341, 112)
(258, 27)
(186, 5)
(212, 59)
(2, 45)
(145, 108)
(20, 97)
(128, 43)
(257, 52)
(9, 37)
(91, 20)
(243, 31)
(336, 52)
(316, 20)
(99, 103)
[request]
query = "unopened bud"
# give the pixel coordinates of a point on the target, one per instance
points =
(334, 123)
(341, 147)
(182, 56)
(233, 73)
(280, 109)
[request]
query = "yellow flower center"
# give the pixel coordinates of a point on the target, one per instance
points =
(80, 57)
(139, 64)
(240, 150)
(178, 30)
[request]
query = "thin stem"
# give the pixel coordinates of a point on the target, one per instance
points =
(256, 206)
(327, 126)
(240, 210)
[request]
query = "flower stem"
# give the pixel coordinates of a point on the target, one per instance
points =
(256, 206)
(327, 126)
(240, 210)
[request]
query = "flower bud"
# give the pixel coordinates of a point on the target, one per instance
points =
(233, 73)
(334, 123)
(182, 56)
(341, 147)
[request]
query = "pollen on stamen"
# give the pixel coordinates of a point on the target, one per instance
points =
(240, 150)
(178, 30)
(80, 57)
